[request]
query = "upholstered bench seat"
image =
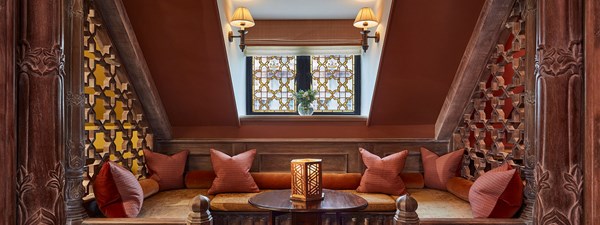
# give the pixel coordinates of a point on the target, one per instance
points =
(170, 204)
(439, 204)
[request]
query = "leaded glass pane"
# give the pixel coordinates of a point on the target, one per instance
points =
(333, 80)
(273, 83)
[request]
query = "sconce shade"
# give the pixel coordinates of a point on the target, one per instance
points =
(307, 180)
(365, 18)
(242, 18)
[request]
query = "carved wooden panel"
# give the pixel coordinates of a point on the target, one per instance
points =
(274, 155)
(559, 105)
(115, 127)
(493, 127)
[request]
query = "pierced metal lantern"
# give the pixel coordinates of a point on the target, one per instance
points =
(307, 180)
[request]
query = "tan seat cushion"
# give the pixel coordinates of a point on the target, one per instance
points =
(439, 204)
(234, 202)
(170, 204)
(377, 202)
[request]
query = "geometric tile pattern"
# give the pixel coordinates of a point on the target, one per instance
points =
(115, 129)
(493, 125)
(333, 80)
(273, 83)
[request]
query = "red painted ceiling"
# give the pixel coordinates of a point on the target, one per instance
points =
(183, 45)
(424, 45)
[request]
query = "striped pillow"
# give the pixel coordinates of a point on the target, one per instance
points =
(497, 193)
(117, 191)
(167, 170)
(233, 173)
(439, 169)
(383, 175)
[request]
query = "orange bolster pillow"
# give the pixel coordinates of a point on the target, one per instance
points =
(282, 180)
(149, 187)
(460, 187)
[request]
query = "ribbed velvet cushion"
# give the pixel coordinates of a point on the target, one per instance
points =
(439, 169)
(233, 173)
(117, 191)
(166, 170)
(383, 175)
(497, 193)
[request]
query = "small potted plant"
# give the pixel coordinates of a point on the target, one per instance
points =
(305, 100)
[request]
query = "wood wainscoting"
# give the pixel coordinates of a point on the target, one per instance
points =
(339, 155)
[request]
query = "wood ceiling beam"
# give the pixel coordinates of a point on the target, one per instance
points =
(474, 61)
(123, 37)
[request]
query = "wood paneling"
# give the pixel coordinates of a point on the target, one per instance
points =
(40, 103)
(339, 155)
(592, 113)
(474, 61)
(559, 102)
(8, 116)
(125, 40)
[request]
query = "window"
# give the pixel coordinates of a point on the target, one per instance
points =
(273, 80)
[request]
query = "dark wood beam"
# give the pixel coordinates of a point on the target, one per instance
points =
(123, 37)
(8, 107)
(483, 41)
(592, 113)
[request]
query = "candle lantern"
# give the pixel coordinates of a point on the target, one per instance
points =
(307, 180)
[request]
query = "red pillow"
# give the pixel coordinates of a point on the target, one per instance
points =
(439, 169)
(383, 175)
(233, 173)
(166, 170)
(497, 193)
(117, 191)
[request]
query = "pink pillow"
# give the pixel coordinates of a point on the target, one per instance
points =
(439, 169)
(233, 173)
(117, 191)
(383, 175)
(167, 170)
(497, 193)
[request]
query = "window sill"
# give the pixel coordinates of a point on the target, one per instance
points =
(296, 118)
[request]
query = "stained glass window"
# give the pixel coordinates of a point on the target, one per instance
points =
(273, 80)
(273, 83)
(333, 80)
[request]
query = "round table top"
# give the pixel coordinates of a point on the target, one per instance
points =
(279, 200)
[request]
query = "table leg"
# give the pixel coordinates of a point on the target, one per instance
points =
(306, 218)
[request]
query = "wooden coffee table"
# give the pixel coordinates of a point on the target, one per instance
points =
(278, 202)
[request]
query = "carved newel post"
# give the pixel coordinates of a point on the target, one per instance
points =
(406, 211)
(199, 214)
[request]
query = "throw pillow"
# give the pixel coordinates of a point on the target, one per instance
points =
(117, 191)
(166, 170)
(497, 193)
(233, 173)
(439, 169)
(383, 175)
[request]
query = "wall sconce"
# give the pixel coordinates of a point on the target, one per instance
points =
(365, 20)
(307, 180)
(242, 19)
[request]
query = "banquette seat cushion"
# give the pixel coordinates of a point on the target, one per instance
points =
(174, 203)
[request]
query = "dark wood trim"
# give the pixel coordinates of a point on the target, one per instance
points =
(40, 106)
(74, 111)
(559, 108)
(592, 113)
(300, 119)
(474, 61)
(123, 37)
(135, 221)
(292, 140)
(436, 221)
(8, 107)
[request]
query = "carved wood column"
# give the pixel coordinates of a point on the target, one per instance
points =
(530, 160)
(559, 98)
(592, 112)
(40, 102)
(8, 147)
(75, 146)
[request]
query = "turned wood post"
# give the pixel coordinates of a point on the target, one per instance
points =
(406, 211)
(200, 213)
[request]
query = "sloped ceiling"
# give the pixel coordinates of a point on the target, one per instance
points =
(425, 43)
(182, 43)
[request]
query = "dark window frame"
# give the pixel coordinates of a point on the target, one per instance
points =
(303, 82)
